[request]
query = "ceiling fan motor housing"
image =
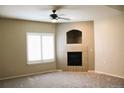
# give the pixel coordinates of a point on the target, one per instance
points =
(54, 16)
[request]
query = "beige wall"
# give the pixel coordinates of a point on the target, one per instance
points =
(13, 47)
(87, 29)
(109, 45)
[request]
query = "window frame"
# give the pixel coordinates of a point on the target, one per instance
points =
(40, 61)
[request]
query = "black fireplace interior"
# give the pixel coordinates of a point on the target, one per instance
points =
(74, 58)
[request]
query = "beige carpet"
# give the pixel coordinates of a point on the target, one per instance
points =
(65, 80)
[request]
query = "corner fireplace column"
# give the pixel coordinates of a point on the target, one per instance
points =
(75, 51)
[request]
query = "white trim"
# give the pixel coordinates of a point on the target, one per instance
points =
(100, 72)
(34, 62)
(12, 77)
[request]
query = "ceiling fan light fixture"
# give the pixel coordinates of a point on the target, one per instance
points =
(54, 20)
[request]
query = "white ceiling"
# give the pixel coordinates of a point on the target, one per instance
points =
(42, 12)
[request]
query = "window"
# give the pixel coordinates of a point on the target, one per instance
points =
(40, 47)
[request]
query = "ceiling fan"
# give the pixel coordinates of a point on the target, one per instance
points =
(54, 17)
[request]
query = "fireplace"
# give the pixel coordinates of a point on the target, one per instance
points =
(74, 58)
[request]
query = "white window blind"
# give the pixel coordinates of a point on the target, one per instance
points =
(40, 47)
(47, 47)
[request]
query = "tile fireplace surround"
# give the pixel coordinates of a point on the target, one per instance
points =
(75, 46)
(75, 37)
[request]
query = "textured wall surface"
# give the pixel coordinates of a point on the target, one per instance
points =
(13, 47)
(109, 45)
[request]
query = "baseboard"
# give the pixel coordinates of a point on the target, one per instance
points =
(12, 77)
(91, 71)
(100, 72)
(60, 70)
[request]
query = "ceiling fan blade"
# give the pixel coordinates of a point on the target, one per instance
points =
(64, 18)
(61, 15)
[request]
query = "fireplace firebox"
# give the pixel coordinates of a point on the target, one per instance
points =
(74, 58)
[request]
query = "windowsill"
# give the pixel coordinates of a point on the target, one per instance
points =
(40, 62)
